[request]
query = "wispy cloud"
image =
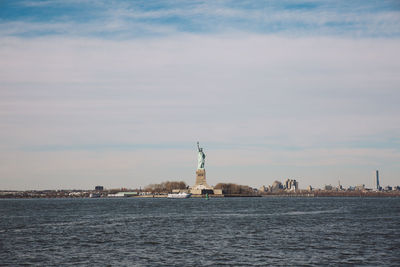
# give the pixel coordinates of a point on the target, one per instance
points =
(124, 19)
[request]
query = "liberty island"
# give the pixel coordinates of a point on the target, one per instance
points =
(201, 188)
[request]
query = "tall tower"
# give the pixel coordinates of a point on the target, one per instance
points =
(377, 181)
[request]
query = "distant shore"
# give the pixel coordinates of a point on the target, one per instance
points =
(104, 194)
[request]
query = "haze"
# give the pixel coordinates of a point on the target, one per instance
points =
(117, 94)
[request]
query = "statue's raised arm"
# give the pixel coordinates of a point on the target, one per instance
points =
(198, 147)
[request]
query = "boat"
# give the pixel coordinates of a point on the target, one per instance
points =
(179, 195)
(95, 195)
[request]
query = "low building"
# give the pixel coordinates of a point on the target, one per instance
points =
(217, 191)
(263, 189)
(99, 188)
(360, 187)
(328, 187)
(340, 187)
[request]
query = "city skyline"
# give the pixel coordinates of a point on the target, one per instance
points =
(118, 93)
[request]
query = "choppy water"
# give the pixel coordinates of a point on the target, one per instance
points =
(197, 232)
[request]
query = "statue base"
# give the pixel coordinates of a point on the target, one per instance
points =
(201, 177)
(201, 186)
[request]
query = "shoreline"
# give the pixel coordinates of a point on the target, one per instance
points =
(336, 194)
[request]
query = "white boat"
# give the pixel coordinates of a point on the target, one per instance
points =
(179, 195)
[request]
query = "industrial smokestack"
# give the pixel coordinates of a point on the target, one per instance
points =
(377, 180)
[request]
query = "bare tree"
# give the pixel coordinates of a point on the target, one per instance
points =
(165, 187)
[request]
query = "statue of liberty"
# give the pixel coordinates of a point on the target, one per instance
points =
(200, 157)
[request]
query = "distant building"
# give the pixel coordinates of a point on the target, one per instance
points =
(388, 188)
(340, 187)
(217, 191)
(276, 186)
(262, 189)
(360, 187)
(291, 185)
(99, 188)
(328, 187)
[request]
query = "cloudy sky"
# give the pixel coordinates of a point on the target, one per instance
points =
(117, 93)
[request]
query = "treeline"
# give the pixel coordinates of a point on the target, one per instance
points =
(165, 187)
(234, 188)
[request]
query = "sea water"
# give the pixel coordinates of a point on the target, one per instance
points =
(199, 232)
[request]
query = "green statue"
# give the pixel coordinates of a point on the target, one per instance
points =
(200, 158)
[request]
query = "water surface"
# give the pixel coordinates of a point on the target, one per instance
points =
(197, 232)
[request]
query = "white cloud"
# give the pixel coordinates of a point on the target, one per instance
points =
(129, 20)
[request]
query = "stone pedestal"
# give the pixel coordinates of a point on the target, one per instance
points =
(201, 177)
(201, 186)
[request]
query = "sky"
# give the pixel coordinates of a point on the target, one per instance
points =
(117, 93)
